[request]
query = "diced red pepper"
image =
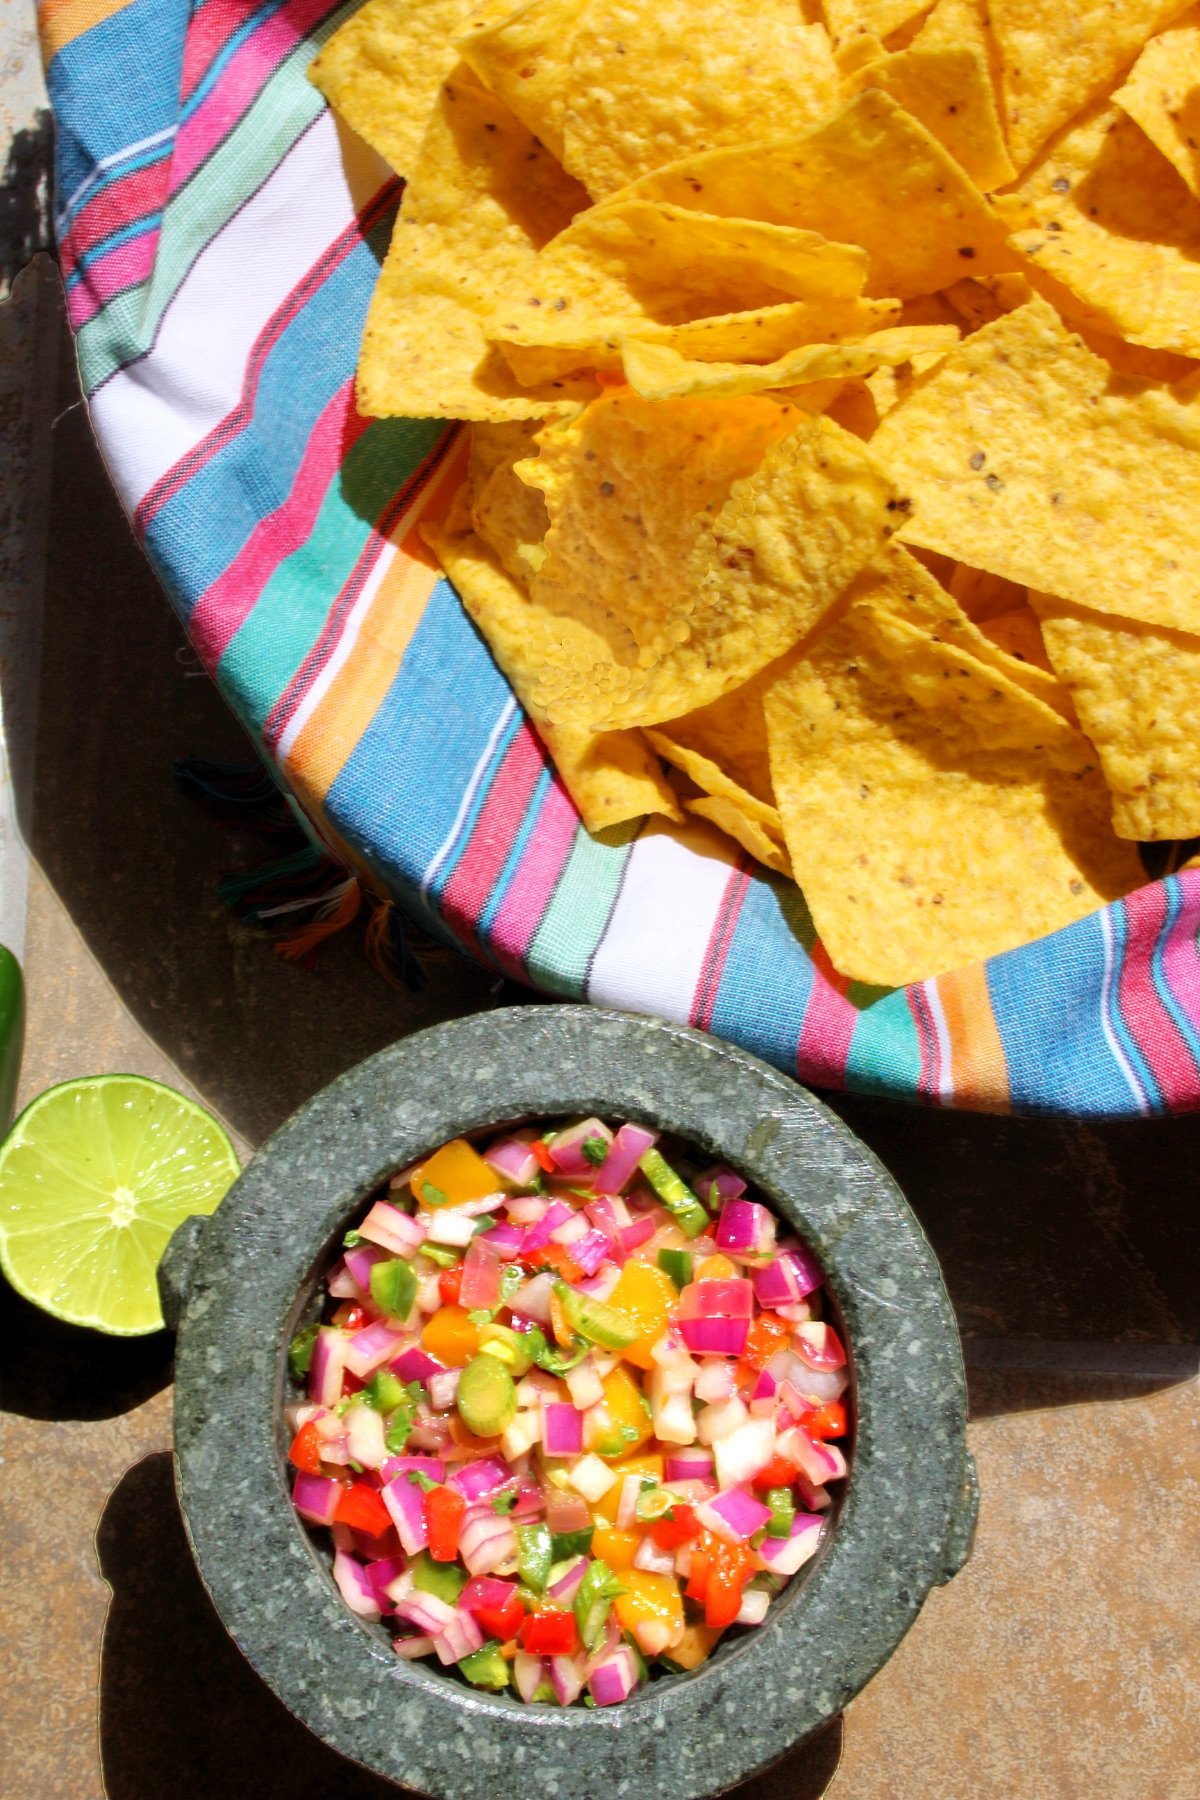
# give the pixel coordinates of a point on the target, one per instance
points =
(449, 1282)
(779, 1472)
(444, 1511)
(550, 1634)
(349, 1316)
(829, 1421)
(768, 1334)
(552, 1256)
(683, 1525)
(546, 1162)
(719, 1572)
(361, 1508)
(698, 1567)
(305, 1453)
(503, 1622)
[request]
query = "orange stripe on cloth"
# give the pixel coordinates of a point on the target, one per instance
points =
(978, 1069)
(61, 21)
(328, 738)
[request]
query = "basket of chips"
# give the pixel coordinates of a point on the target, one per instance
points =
(699, 505)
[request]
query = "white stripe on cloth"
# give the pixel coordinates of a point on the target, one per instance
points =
(652, 955)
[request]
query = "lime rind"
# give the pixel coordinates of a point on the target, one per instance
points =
(94, 1177)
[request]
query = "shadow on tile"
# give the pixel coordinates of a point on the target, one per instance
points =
(57, 1371)
(182, 1711)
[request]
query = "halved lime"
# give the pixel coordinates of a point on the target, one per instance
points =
(94, 1177)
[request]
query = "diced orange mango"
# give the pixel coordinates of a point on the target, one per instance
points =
(450, 1336)
(694, 1647)
(456, 1173)
(646, 1295)
(627, 1413)
(616, 1548)
(608, 1503)
(716, 1268)
(646, 1597)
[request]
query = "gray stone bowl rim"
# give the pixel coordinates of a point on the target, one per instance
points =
(239, 1287)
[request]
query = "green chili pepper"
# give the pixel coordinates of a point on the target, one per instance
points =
(300, 1351)
(560, 1362)
(675, 1194)
(393, 1288)
(445, 1580)
(486, 1668)
(571, 1543)
(678, 1265)
(437, 1253)
(783, 1511)
(384, 1391)
(535, 1555)
(593, 1601)
(593, 1320)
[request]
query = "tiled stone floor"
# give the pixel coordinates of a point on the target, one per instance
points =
(1061, 1665)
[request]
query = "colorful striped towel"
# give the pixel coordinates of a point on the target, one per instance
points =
(220, 235)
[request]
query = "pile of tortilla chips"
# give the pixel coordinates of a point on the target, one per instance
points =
(835, 469)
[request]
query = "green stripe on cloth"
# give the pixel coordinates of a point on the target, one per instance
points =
(565, 942)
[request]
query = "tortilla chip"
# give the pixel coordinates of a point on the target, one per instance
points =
(849, 19)
(611, 776)
(855, 408)
(483, 199)
(871, 174)
(383, 68)
(1113, 223)
(918, 848)
(1163, 94)
(653, 83)
(1019, 635)
(1137, 692)
(510, 517)
(633, 260)
(944, 79)
(981, 594)
(524, 58)
(730, 734)
(659, 373)
(1023, 454)
(766, 846)
(981, 301)
(1054, 60)
(759, 334)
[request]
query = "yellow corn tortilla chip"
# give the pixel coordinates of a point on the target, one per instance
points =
(855, 408)
(849, 19)
(873, 175)
(1019, 634)
(658, 372)
(759, 334)
(383, 68)
(483, 199)
(854, 53)
(979, 302)
(611, 776)
(710, 772)
(1054, 60)
(1111, 221)
(1024, 454)
(629, 487)
(944, 79)
(652, 83)
(1163, 94)
(981, 594)
(917, 846)
(633, 260)
(1137, 691)
(524, 57)
(731, 734)
(510, 517)
(744, 828)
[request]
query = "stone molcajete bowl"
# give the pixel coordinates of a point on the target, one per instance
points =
(238, 1285)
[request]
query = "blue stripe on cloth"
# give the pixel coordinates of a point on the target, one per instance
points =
(766, 1017)
(1115, 923)
(140, 51)
(252, 474)
(228, 49)
(1047, 1003)
(400, 794)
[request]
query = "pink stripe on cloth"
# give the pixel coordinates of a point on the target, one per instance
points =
(240, 83)
(829, 1021)
(209, 29)
(709, 984)
(1155, 1032)
(535, 879)
(478, 868)
(1181, 952)
(130, 197)
(226, 605)
(120, 268)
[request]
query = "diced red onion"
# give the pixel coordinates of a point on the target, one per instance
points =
(368, 1349)
(721, 1418)
(818, 1345)
(614, 1677)
(717, 1185)
(735, 1515)
(634, 1235)
(731, 1299)
(361, 1260)
(755, 1605)
(600, 1285)
(452, 1226)
(382, 1573)
(745, 1228)
(512, 1158)
(430, 1466)
(716, 1380)
(507, 1240)
(821, 1462)
(589, 1251)
(364, 1436)
(718, 1337)
(480, 1285)
(485, 1591)
(485, 1203)
(566, 1510)
(425, 1611)
(603, 1215)
(566, 1678)
(529, 1499)
(556, 1214)
(742, 1454)
(342, 1285)
(336, 1452)
(689, 1465)
(316, 1497)
(584, 1386)
(566, 1149)
(567, 1586)
(528, 1672)
(651, 1557)
(533, 1300)
(328, 1367)
(415, 1364)
(624, 1154)
(817, 1499)
(432, 1435)
(562, 1430)
(413, 1647)
(527, 1209)
(575, 1228)
(631, 1490)
(487, 1541)
(387, 1226)
(462, 1637)
(791, 1274)
(480, 1479)
(783, 1556)
(442, 1389)
(355, 1585)
(403, 1500)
